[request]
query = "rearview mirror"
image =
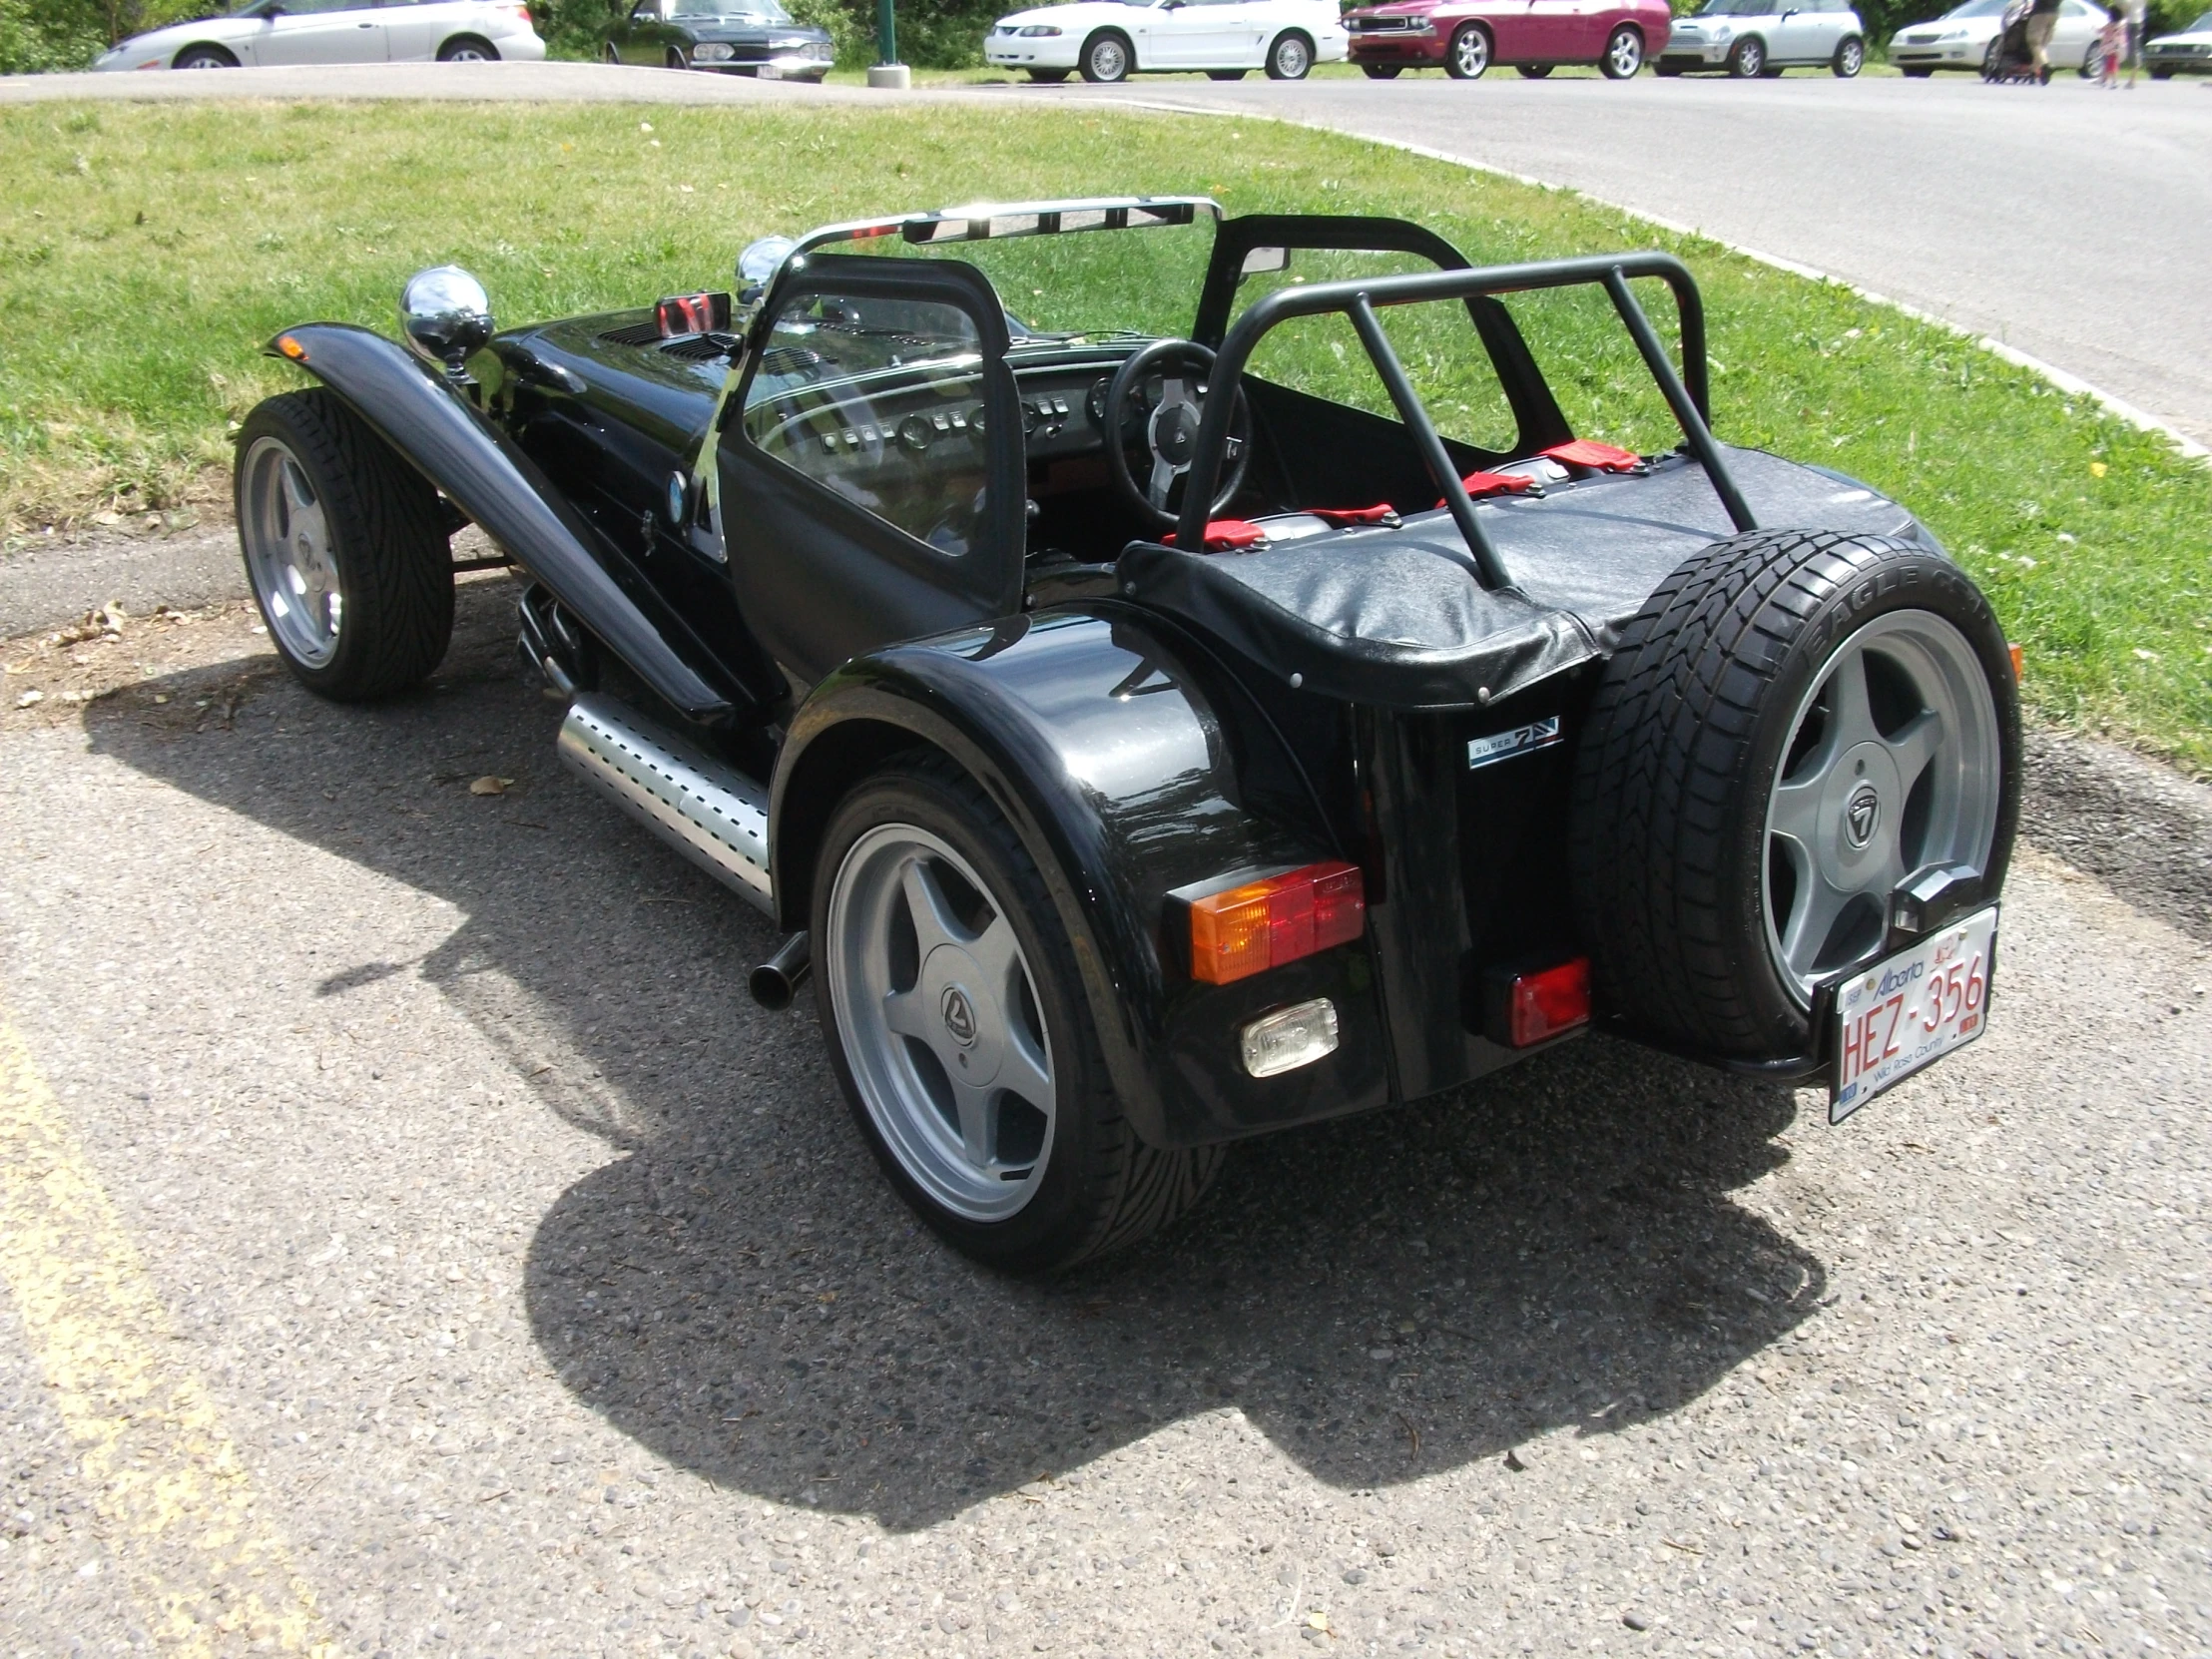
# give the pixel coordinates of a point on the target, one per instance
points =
(1259, 261)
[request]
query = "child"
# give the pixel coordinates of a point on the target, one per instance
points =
(2111, 42)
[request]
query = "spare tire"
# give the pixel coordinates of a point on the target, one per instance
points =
(1793, 723)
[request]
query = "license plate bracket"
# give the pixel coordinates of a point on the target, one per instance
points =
(1898, 1016)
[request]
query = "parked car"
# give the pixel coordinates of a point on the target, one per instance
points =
(1155, 742)
(337, 31)
(1965, 37)
(1744, 38)
(1464, 37)
(1105, 40)
(2188, 53)
(731, 37)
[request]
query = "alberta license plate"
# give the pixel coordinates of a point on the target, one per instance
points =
(1910, 1010)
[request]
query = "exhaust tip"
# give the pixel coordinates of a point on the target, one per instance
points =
(774, 983)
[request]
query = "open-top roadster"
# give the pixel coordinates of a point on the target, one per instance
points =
(1155, 740)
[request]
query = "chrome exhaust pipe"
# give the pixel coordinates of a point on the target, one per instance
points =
(714, 815)
(775, 981)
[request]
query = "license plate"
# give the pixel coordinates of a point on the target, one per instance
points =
(1910, 1010)
(769, 72)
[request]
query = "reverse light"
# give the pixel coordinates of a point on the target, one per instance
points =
(1290, 1037)
(1526, 1009)
(1274, 919)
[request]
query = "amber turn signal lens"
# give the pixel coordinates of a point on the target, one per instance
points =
(1540, 1005)
(2015, 651)
(1276, 919)
(291, 348)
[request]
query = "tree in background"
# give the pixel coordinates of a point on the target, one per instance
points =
(69, 34)
(932, 34)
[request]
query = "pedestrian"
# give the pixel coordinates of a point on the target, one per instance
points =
(2133, 10)
(2042, 17)
(2111, 42)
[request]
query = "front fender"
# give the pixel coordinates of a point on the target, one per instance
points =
(504, 491)
(1129, 766)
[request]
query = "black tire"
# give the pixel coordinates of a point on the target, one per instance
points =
(1226, 74)
(388, 540)
(1993, 59)
(1916, 74)
(1849, 57)
(468, 49)
(1666, 70)
(1747, 58)
(2161, 73)
(1464, 59)
(1290, 57)
(1048, 77)
(1103, 1189)
(1624, 54)
(1381, 71)
(1532, 71)
(609, 54)
(203, 57)
(1100, 64)
(675, 59)
(1678, 760)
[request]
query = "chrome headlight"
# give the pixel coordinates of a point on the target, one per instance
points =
(711, 51)
(444, 316)
(1038, 31)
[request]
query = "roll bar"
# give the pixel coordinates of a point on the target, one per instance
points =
(1687, 393)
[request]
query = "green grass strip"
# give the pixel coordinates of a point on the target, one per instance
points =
(148, 251)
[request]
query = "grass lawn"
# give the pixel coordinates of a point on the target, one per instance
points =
(147, 252)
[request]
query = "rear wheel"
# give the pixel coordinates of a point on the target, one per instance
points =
(1468, 55)
(467, 49)
(1106, 58)
(1290, 58)
(1624, 55)
(345, 548)
(1380, 70)
(1795, 722)
(1748, 58)
(1849, 57)
(204, 57)
(961, 1035)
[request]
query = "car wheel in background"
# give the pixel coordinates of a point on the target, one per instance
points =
(1624, 54)
(206, 57)
(1991, 57)
(1795, 722)
(1226, 74)
(675, 59)
(1468, 55)
(1534, 71)
(467, 49)
(1849, 59)
(345, 548)
(1290, 57)
(959, 1030)
(1380, 70)
(1050, 77)
(609, 54)
(1749, 58)
(1107, 58)
(2161, 73)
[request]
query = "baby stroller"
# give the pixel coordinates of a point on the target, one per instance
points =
(2008, 60)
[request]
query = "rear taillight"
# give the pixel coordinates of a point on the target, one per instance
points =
(1275, 919)
(1523, 1009)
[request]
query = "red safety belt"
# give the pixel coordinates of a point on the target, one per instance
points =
(1479, 484)
(1344, 518)
(1227, 535)
(1600, 457)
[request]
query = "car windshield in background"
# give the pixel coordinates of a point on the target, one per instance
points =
(731, 11)
(1975, 8)
(1737, 8)
(2202, 26)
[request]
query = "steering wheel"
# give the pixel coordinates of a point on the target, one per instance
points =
(1171, 431)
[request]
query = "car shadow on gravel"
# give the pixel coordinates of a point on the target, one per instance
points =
(736, 1287)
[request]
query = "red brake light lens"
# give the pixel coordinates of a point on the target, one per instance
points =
(1540, 1005)
(1279, 919)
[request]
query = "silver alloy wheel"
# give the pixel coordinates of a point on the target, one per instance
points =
(288, 555)
(1893, 764)
(1625, 55)
(941, 1023)
(1109, 60)
(1851, 57)
(1470, 50)
(1291, 60)
(1751, 58)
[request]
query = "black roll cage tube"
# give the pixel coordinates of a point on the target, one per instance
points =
(1687, 393)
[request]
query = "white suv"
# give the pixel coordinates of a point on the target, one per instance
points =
(1764, 37)
(337, 31)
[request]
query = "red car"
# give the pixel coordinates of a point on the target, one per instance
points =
(1465, 37)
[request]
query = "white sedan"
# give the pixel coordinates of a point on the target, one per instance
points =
(1966, 35)
(337, 31)
(1107, 40)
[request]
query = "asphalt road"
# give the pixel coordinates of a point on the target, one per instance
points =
(418, 1243)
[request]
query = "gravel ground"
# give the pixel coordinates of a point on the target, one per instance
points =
(542, 1292)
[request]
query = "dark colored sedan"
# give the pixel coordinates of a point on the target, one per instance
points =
(734, 37)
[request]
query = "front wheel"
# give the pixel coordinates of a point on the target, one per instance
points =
(1748, 59)
(467, 49)
(1380, 70)
(609, 54)
(1468, 55)
(209, 57)
(1106, 59)
(1795, 722)
(959, 1030)
(2161, 73)
(675, 59)
(345, 546)
(1624, 55)
(1849, 57)
(1290, 58)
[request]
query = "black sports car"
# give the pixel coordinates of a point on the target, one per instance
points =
(1156, 741)
(731, 37)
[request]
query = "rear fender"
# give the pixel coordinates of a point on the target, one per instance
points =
(1129, 766)
(489, 478)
